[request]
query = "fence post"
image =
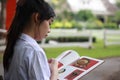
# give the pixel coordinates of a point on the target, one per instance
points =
(90, 40)
(105, 39)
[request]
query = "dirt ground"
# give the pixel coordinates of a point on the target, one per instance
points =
(109, 70)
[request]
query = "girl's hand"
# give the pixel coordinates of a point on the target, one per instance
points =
(54, 68)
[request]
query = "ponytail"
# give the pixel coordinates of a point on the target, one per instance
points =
(24, 10)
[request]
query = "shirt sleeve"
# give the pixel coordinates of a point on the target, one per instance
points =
(36, 64)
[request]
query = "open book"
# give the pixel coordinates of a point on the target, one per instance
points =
(72, 66)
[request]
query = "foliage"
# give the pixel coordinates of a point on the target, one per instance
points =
(65, 15)
(61, 24)
(57, 3)
(111, 19)
(110, 25)
(84, 15)
(96, 24)
(77, 25)
(70, 39)
(118, 4)
(56, 24)
(58, 6)
(69, 15)
(68, 19)
(66, 24)
(117, 16)
(1, 56)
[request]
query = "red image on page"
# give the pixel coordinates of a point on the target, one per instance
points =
(74, 74)
(60, 64)
(84, 63)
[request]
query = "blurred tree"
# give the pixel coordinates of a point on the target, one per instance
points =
(84, 15)
(117, 17)
(118, 3)
(2, 14)
(96, 24)
(68, 14)
(61, 8)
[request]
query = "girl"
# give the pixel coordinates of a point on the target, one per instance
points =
(23, 58)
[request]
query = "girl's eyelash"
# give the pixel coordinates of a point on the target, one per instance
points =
(49, 23)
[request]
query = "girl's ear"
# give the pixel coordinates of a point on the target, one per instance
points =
(36, 17)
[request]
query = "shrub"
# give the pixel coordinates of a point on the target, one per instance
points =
(96, 24)
(62, 24)
(76, 25)
(70, 39)
(110, 25)
(84, 15)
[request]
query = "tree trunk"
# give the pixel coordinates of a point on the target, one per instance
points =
(0, 13)
(2, 17)
(3, 14)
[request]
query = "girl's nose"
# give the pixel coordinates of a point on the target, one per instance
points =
(49, 31)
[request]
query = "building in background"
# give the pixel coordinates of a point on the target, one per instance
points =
(98, 7)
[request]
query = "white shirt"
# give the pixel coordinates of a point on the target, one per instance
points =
(29, 61)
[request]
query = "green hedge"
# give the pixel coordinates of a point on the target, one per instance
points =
(70, 39)
(110, 26)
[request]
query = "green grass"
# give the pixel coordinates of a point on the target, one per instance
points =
(1, 57)
(97, 52)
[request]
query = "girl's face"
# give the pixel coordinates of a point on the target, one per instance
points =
(43, 29)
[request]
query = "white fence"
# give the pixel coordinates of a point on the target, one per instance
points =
(3, 31)
(61, 33)
(66, 33)
(2, 40)
(111, 37)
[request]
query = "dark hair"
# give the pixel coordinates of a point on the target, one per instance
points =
(24, 10)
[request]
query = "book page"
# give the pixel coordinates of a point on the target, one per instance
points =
(71, 68)
(67, 57)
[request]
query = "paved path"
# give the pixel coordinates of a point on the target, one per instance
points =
(106, 71)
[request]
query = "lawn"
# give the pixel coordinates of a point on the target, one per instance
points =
(1, 57)
(97, 52)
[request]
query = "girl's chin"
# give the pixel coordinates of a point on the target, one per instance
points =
(40, 38)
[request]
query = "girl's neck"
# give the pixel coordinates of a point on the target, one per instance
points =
(29, 31)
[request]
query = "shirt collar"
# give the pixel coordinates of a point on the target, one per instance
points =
(27, 38)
